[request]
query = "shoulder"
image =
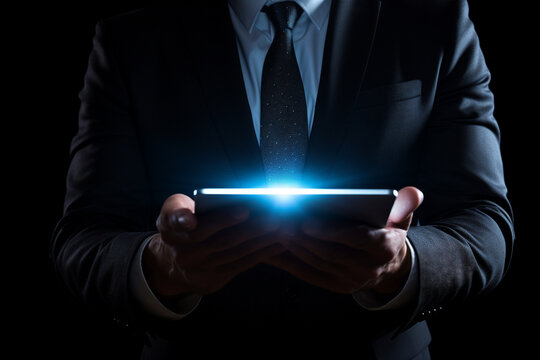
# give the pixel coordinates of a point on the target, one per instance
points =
(135, 21)
(161, 12)
(163, 17)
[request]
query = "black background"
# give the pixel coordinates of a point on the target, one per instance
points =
(47, 52)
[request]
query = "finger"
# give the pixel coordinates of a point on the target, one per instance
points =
(360, 249)
(247, 262)
(175, 214)
(345, 233)
(328, 251)
(178, 224)
(217, 220)
(316, 262)
(178, 201)
(238, 252)
(206, 281)
(408, 200)
(324, 228)
(233, 236)
(359, 244)
(176, 219)
(174, 226)
(228, 244)
(296, 267)
(228, 238)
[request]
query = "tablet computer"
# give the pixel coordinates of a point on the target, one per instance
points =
(368, 206)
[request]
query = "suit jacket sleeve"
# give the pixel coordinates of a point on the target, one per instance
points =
(106, 214)
(465, 233)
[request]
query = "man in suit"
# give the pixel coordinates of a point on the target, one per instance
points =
(396, 96)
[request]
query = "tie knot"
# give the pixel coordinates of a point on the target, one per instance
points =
(283, 15)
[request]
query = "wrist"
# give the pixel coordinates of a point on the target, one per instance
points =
(160, 272)
(172, 308)
(394, 280)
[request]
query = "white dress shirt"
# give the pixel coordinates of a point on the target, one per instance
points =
(254, 33)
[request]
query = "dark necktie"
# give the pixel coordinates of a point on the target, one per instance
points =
(284, 133)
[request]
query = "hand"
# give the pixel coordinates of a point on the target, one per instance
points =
(200, 254)
(343, 257)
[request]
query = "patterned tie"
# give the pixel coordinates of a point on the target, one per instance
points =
(284, 133)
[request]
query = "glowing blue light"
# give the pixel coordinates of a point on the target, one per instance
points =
(283, 199)
(291, 191)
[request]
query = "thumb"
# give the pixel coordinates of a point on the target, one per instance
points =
(177, 214)
(408, 200)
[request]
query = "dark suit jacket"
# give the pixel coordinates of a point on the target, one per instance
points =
(403, 100)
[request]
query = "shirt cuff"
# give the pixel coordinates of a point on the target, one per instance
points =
(148, 300)
(371, 302)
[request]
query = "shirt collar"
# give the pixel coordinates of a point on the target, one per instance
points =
(248, 10)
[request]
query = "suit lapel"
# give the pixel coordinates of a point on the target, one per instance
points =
(350, 36)
(349, 40)
(215, 53)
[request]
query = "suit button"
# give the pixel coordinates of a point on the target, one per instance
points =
(120, 322)
(291, 296)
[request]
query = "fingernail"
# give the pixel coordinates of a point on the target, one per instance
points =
(181, 219)
(177, 219)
